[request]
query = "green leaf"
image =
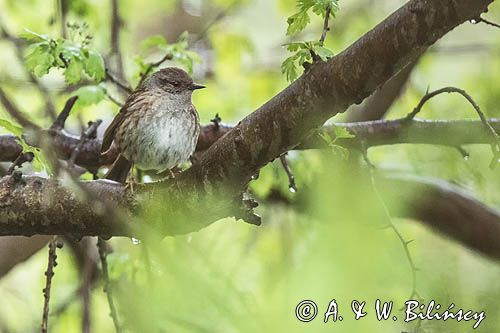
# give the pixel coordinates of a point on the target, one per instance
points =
(323, 52)
(325, 136)
(340, 152)
(297, 22)
(74, 55)
(153, 41)
(39, 60)
(320, 6)
(295, 46)
(69, 50)
(33, 37)
(73, 72)
(39, 161)
(289, 68)
(342, 133)
(11, 128)
(94, 65)
(89, 95)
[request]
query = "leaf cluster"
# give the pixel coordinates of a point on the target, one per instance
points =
(298, 21)
(75, 56)
(304, 51)
(340, 133)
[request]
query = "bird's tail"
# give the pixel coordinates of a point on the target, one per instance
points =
(119, 170)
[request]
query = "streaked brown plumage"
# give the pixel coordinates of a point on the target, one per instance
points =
(158, 126)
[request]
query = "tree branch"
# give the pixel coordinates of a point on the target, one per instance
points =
(326, 28)
(15, 112)
(438, 204)
(451, 133)
(449, 210)
(116, 24)
(379, 103)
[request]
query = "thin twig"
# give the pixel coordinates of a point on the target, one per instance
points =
(22, 158)
(121, 85)
(216, 121)
(153, 65)
(465, 154)
(289, 173)
(58, 124)
(53, 244)
(112, 99)
(495, 144)
(101, 246)
(63, 11)
(326, 28)
(217, 18)
(15, 112)
(89, 133)
(200, 36)
(44, 138)
(404, 243)
(116, 24)
(364, 152)
(88, 268)
(485, 21)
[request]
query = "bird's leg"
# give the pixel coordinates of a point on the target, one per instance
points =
(131, 180)
(172, 173)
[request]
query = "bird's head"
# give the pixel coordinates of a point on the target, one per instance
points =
(172, 80)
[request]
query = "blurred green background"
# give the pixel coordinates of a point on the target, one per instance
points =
(325, 241)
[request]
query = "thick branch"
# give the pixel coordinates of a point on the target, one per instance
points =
(377, 105)
(36, 205)
(449, 210)
(452, 133)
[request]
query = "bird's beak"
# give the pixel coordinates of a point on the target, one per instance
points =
(195, 86)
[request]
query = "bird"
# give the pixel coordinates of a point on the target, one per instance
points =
(158, 126)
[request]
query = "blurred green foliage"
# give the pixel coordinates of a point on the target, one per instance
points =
(324, 242)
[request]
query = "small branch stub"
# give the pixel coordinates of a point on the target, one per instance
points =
(49, 274)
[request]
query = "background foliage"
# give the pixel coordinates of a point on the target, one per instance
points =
(328, 243)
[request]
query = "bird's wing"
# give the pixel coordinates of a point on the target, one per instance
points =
(137, 100)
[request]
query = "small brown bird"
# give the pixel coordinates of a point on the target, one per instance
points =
(158, 126)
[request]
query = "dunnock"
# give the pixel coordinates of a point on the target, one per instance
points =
(158, 126)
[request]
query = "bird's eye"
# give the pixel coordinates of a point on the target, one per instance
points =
(175, 84)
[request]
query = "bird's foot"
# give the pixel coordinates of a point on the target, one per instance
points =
(131, 183)
(174, 171)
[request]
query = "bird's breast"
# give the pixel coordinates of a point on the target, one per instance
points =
(164, 137)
